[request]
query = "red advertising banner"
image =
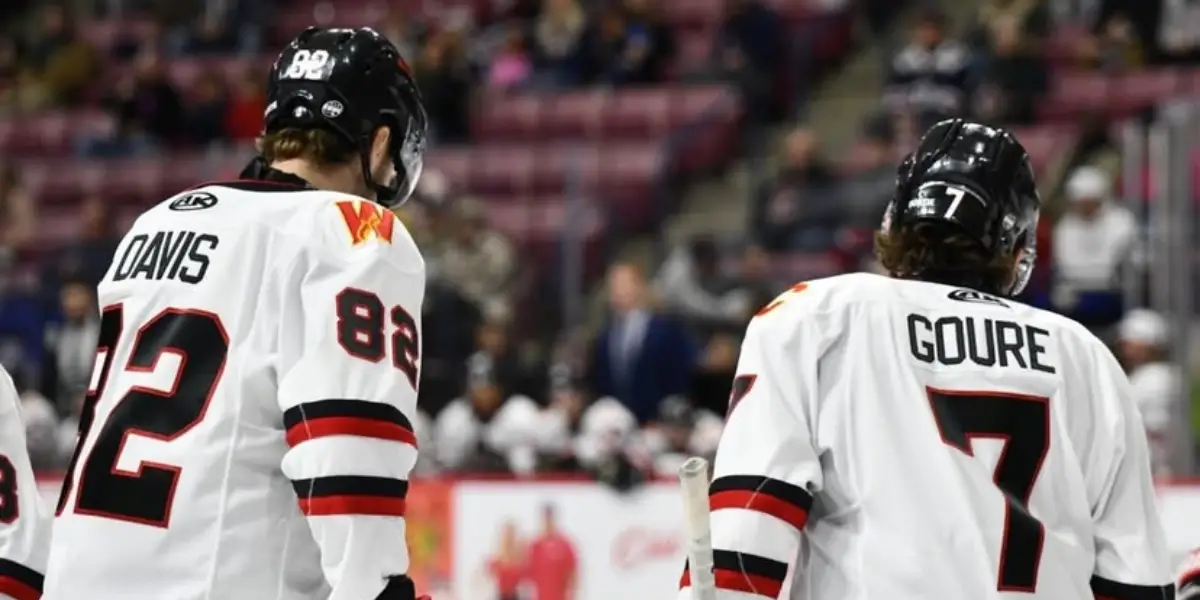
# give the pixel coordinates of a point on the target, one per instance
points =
(430, 517)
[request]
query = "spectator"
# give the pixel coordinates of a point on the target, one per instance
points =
(865, 191)
(17, 221)
(931, 75)
(401, 31)
(712, 382)
(444, 75)
(480, 261)
(207, 109)
(652, 47)
(680, 431)
(793, 212)
(512, 66)
(423, 430)
(10, 75)
(61, 63)
(72, 345)
(88, 257)
(244, 117)
(557, 43)
(487, 431)
(1156, 382)
(23, 315)
(749, 49)
(603, 54)
(560, 425)
(639, 357)
(41, 426)
(691, 283)
(210, 36)
(1094, 243)
(1015, 73)
(1114, 46)
(149, 110)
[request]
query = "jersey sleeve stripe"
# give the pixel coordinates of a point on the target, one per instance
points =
(1107, 589)
(780, 499)
(19, 582)
(360, 418)
(352, 495)
(742, 572)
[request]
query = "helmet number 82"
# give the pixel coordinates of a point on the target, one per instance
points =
(307, 64)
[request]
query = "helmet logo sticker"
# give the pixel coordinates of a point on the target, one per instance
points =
(332, 109)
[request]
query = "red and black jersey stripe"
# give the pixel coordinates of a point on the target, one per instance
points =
(780, 499)
(19, 582)
(351, 495)
(741, 572)
(1107, 589)
(360, 418)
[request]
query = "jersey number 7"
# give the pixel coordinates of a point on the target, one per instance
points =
(1023, 422)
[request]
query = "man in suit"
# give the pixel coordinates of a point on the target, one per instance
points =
(639, 357)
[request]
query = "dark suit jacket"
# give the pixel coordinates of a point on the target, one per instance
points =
(663, 366)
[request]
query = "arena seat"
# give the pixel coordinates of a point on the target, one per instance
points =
(51, 133)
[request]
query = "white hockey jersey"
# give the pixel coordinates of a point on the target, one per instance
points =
(247, 432)
(24, 520)
(909, 440)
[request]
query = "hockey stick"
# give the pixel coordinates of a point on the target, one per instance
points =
(693, 478)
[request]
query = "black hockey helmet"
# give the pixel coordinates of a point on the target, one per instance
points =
(977, 178)
(352, 82)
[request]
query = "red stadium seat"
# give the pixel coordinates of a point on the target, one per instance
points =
(1045, 144)
(1073, 93)
(51, 133)
(1135, 91)
(509, 116)
(640, 114)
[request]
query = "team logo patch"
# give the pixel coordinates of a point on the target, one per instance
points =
(194, 201)
(977, 297)
(366, 221)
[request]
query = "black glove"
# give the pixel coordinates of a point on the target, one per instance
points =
(400, 587)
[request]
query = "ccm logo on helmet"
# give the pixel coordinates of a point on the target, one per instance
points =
(367, 221)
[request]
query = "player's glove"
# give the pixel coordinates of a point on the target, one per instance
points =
(400, 587)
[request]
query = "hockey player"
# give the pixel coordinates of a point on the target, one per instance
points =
(24, 520)
(925, 436)
(248, 435)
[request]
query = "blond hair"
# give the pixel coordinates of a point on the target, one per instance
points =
(321, 147)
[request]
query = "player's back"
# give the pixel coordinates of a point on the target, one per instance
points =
(959, 440)
(177, 491)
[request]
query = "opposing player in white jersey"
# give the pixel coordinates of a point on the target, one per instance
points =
(24, 520)
(922, 435)
(247, 435)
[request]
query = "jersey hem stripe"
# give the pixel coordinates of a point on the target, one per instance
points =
(358, 418)
(784, 501)
(352, 495)
(20, 582)
(742, 572)
(1107, 589)
(1190, 579)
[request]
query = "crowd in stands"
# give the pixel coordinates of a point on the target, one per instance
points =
(647, 386)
